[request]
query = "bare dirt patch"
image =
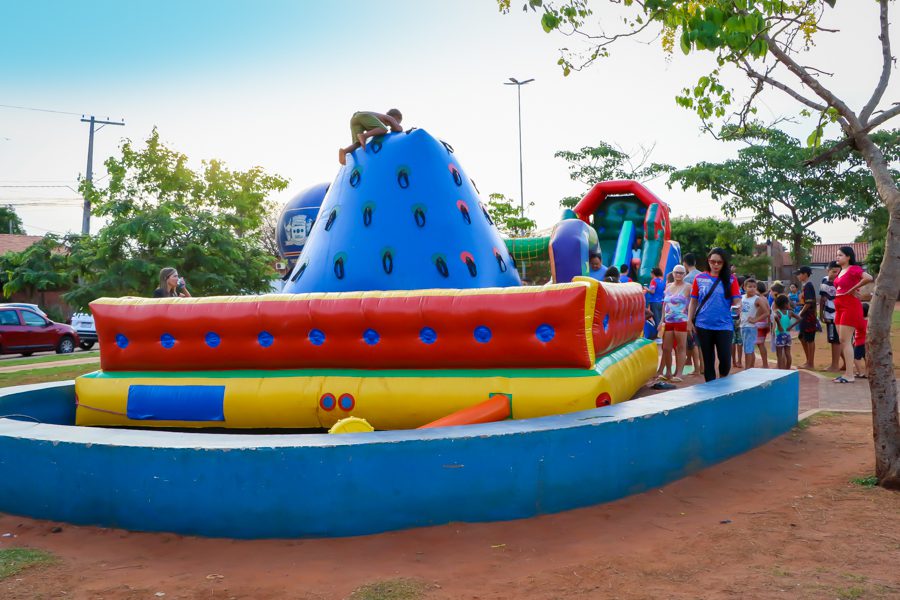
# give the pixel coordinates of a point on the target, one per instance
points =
(782, 521)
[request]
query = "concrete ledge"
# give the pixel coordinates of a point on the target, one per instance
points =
(254, 486)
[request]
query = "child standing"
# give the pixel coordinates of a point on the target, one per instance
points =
(364, 125)
(859, 345)
(794, 296)
(737, 348)
(655, 295)
(754, 309)
(762, 326)
(784, 320)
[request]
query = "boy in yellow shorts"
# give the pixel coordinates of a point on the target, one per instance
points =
(364, 125)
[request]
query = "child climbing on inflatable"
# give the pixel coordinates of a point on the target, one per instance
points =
(365, 124)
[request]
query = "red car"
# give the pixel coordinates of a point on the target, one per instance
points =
(23, 331)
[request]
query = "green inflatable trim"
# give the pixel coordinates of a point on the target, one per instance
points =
(601, 365)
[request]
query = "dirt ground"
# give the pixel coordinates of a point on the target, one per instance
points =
(782, 521)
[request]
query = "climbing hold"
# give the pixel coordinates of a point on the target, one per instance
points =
(212, 339)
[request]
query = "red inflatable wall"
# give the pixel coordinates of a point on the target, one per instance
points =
(493, 328)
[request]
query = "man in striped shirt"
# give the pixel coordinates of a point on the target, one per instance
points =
(826, 313)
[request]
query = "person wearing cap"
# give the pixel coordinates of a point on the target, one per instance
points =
(808, 322)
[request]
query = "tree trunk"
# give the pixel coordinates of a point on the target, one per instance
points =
(797, 252)
(882, 383)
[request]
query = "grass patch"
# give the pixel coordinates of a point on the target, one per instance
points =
(391, 589)
(851, 593)
(14, 560)
(866, 482)
(816, 419)
(45, 375)
(46, 359)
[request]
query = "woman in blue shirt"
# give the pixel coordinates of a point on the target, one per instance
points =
(713, 294)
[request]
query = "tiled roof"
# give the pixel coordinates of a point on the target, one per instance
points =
(822, 254)
(17, 243)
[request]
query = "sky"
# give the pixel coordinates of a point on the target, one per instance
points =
(273, 83)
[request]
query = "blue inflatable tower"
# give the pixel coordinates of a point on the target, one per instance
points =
(402, 215)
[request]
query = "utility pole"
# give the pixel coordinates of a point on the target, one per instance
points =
(89, 176)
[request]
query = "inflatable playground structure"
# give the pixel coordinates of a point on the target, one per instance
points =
(403, 310)
(403, 324)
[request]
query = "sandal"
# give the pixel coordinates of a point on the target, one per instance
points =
(662, 378)
(862, 376)
(676, 380)
(841, 379)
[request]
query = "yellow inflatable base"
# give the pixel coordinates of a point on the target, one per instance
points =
(318, 399)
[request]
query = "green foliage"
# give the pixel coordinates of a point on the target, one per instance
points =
(41, 267)
(605, 162)
(699, 235)
(875, 225)
(770, 179)
(866, 482)
(10, 221)
(875, 256)
(159, 212)
(759, 265)
(508, 217)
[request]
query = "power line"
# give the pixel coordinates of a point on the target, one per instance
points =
(48, 110)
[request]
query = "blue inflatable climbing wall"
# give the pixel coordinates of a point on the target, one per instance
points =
(402, 215)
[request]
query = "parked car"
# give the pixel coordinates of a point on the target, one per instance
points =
(33, 307)
(84, 325)
(23, 331)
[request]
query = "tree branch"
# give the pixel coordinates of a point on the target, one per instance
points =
(884, 116)
(849, 142)
(813, 84)
(777, 84)
(885, 67)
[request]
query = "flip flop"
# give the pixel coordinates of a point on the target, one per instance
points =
(841, 379)
(676, 380)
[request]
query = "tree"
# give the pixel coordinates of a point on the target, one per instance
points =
(508, 217)
(771, 179)
(10, 221)
(269, 230)
(160, 213)
(41, 267)
(605, 162)
(764, 40)
(698, 235)
(756, 265)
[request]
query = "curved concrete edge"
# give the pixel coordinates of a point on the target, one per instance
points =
(255, 486)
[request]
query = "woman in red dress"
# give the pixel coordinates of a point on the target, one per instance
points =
(848, 307)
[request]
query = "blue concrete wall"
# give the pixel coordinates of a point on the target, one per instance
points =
(251, 486)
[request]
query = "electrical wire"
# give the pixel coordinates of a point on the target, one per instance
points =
(48, 110)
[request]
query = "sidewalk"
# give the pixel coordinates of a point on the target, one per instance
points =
(51, 365)
(818, 391)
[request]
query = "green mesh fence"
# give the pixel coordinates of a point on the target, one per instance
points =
(529, 249)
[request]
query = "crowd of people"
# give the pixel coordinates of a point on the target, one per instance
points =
(715, 320)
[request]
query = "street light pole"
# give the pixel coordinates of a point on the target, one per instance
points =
(519, 84)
